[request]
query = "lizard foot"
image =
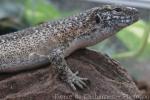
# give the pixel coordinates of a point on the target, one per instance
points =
(76, 81)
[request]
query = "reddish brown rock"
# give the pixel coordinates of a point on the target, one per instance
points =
(109, 80)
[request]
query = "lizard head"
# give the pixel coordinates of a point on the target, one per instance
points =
(115, 17)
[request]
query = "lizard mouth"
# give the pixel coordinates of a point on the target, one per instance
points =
(127, 20)
(131, 17)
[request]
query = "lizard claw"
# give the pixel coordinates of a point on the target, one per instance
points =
(76, 81)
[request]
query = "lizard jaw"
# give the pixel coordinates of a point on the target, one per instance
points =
(127, 20)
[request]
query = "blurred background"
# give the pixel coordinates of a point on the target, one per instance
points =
(131, 46)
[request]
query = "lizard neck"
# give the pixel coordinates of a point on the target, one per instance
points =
(88, 39)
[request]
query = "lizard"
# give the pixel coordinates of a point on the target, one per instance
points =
(51, 42)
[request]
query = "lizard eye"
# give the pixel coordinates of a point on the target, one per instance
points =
(97, 19)
(118, 9)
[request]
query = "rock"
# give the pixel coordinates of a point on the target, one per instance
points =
(144, 87)
(108, 80)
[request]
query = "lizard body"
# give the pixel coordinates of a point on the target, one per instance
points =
(51, 42)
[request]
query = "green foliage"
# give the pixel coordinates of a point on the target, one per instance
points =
(37, 11)
(132, 37)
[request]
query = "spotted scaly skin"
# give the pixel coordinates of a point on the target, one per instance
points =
(51, 42)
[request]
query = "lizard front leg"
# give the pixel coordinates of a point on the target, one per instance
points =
(65, 73)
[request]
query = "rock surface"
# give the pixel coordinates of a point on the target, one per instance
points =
(108, 80)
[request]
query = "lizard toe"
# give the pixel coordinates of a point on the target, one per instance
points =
(79, 84)
(73, 86)
(76, 73)
(83, 83)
